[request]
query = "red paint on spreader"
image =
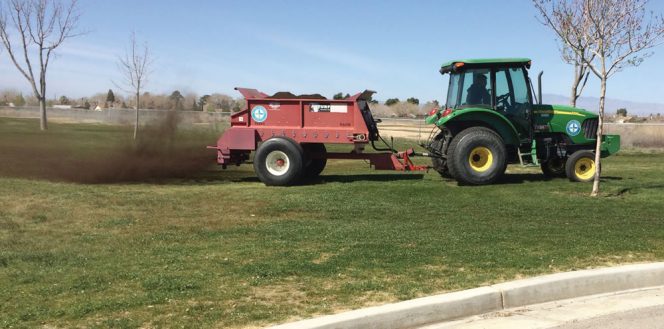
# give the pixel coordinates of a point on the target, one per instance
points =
(306, 119)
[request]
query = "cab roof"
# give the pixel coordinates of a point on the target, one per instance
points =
(448, 66)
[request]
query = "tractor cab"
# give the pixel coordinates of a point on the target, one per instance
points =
(499, 85)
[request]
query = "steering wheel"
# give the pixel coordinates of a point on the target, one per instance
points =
(502, 99)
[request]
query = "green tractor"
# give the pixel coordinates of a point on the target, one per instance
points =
(490, 120)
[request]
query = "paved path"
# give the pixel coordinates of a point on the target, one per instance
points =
(651, 317)
(630, 309)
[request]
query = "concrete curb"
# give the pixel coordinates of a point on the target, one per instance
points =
(446, 307)
(580, 283)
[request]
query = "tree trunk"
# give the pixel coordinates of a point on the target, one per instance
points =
(43, 124)
(575, 86)
(572, 96)
(598, 146)
(136, 122)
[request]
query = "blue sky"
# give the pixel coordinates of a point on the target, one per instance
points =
(393, 47)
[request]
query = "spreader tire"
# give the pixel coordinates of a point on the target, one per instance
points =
(554, 167)
(477, 156)
(315, 156)
(580, 166)
(279, 162)
(439, 164)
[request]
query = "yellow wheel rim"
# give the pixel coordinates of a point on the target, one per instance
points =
(584, 168)
(480, 159)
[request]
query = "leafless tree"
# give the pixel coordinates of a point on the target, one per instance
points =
(30, 31)
(569, 16)
(618, 34)
(135, 67)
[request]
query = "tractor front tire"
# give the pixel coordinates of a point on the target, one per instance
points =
(440, 164)
(554, 167)
(477, 156)
(581, 167)
(315, 156)
(279, 162)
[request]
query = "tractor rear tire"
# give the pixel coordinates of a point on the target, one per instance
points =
(440, 164)
(315, 157)
(554, 167)
(279, 162)
(580, 166)
(477, 156)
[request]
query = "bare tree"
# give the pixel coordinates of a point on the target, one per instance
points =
(617, 34)
(568, 16)
(135, 67)
(581, 71)
(40, 26)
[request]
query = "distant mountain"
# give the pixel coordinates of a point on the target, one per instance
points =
(592, 104)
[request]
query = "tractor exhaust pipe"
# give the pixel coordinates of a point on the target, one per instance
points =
(539, 87)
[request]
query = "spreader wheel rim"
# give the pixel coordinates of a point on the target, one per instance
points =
(277, 163)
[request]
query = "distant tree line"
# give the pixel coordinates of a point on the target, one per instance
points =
(176, 100)
(189, 101)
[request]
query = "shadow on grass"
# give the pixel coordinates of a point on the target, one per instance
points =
(611, 178)
(516, 178)
(509, 179)
(634, 189)
(363, 178)
(323, 179)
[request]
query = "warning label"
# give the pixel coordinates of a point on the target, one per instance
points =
(334, 108)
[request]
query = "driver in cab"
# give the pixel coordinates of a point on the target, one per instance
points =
(477, 92)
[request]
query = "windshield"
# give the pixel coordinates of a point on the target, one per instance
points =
(452, 91)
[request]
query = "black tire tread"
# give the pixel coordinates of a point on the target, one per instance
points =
(296, 157)
(313, 167)
(571, 161)
(549, 172)
(456, 164)
(439, 164)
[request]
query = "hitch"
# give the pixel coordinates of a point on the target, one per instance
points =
(408, 164)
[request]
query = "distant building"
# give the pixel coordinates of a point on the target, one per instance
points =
(63, 107)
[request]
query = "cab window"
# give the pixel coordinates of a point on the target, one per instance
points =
(476, 88)
(520, 86)
(511, 90)
(453, 90)
(512, 97)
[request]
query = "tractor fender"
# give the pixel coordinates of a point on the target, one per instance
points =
(483, 117)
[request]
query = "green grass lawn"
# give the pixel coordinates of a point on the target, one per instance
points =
(212, 248)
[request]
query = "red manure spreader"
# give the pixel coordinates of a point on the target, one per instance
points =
(288, 134)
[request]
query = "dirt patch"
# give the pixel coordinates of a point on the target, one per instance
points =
(160, 152)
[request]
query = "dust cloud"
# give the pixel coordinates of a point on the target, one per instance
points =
(162, 151)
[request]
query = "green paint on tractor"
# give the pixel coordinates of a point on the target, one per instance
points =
(490, 120)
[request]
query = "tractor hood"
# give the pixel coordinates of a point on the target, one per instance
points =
(561, 111)
(578, 124)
